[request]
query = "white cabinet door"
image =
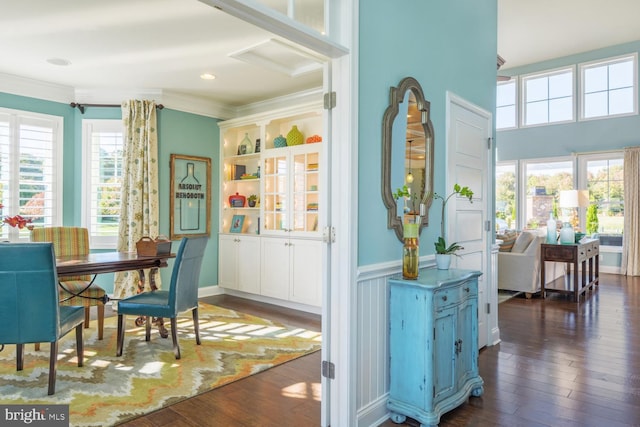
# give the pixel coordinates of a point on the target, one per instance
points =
(248, 264)
(306, 271)
(275, 267)
(227, 262)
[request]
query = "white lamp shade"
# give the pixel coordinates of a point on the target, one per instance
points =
(568, 199)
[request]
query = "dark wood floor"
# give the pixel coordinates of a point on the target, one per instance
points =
(559, 364)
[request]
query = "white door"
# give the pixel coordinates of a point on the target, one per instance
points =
(468, 148)
(228, 261)
(248, 264)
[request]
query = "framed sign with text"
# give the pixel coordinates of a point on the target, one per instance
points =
(190, 196)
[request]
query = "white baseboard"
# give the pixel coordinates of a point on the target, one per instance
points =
(375, 413)
(218, 290)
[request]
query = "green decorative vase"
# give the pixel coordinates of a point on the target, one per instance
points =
(295, 137)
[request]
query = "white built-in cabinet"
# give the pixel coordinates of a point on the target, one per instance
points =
(273, 249)
(240, 254)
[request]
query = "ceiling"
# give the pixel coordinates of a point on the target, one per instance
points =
(165, 45)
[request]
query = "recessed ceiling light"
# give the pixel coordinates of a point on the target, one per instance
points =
(207, 76)
(59, 61)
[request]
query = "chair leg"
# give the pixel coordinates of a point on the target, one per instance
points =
(87, 317)
(120, 335)
(196, 324)
(100, 321)
(79, 345)
(147, 328)
(174, 337)
(19, 357)
(53, 359)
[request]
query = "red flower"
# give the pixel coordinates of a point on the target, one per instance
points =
(17, 221)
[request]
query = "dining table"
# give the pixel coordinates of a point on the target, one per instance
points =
(115, 261)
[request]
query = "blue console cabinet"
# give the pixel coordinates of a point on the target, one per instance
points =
(433, 344)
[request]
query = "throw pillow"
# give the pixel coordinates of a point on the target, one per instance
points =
(522, 242)
(508, 240)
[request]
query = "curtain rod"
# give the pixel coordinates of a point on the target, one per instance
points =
(82, 107)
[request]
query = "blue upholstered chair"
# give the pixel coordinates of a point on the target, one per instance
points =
(29, 310)
(181, 296)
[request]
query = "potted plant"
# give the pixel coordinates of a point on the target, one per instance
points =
(404, 193)
(444, 251)
(252, 199)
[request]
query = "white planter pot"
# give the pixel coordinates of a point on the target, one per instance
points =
(443, 261)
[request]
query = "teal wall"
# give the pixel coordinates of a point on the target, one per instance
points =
(575, 137)
(178, 133)
(446, 46)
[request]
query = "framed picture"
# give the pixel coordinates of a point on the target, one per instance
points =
(236, 224)
(190, 196)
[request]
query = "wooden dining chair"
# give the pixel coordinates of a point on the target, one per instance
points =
(74, 290)
(181, 296)
(29, 310)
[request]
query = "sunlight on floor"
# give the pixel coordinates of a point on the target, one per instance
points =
(303, 391)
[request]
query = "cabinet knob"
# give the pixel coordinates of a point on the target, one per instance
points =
(444, 298)
(466, 289)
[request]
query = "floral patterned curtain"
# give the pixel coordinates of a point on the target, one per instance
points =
(631, 241)
(139, 213)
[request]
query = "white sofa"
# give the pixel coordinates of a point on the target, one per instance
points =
(520, 271)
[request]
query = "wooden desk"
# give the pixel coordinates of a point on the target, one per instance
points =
(574, 255)
(111, 262)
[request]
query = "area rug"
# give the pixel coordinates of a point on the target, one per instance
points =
(109, 390)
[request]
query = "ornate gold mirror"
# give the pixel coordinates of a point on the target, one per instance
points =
(407, 156)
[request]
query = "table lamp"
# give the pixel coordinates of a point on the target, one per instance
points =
(572, 199)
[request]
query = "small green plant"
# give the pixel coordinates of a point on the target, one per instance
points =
(441, 244)
(592, 218)
(252, 198)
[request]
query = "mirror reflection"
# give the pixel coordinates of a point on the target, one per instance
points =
(407, 157)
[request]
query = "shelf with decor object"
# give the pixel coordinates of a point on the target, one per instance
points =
(282, 179)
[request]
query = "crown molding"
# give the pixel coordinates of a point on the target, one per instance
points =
(24, 86)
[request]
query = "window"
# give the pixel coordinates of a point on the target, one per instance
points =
(506, 114)
(609, 88)
(506, 196)
(602, 175)
(30, 169)
(544, 179)
(102, 170)
(548, 98)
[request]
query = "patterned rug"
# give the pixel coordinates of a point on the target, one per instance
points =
(109, 390)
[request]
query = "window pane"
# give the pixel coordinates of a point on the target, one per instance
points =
(560, 109)
(595, 79)
(537, 112)
(505, 196)
(595, 104)
(29, 170)
(606, 191)
(506, 94)
(621, 101)
(621, 75)
(506, 117)
(537, 89)
(560, 85)
(544, 182)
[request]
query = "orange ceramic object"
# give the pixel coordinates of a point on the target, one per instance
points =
(314, 138)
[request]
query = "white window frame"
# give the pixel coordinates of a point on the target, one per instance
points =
(11, 201)
(602, 62)
(515, 81)
(546, 73)
(88, 127)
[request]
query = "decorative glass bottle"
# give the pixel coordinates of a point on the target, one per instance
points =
(246, 147)
(552, 233)
(410, 252)
(567, 235)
